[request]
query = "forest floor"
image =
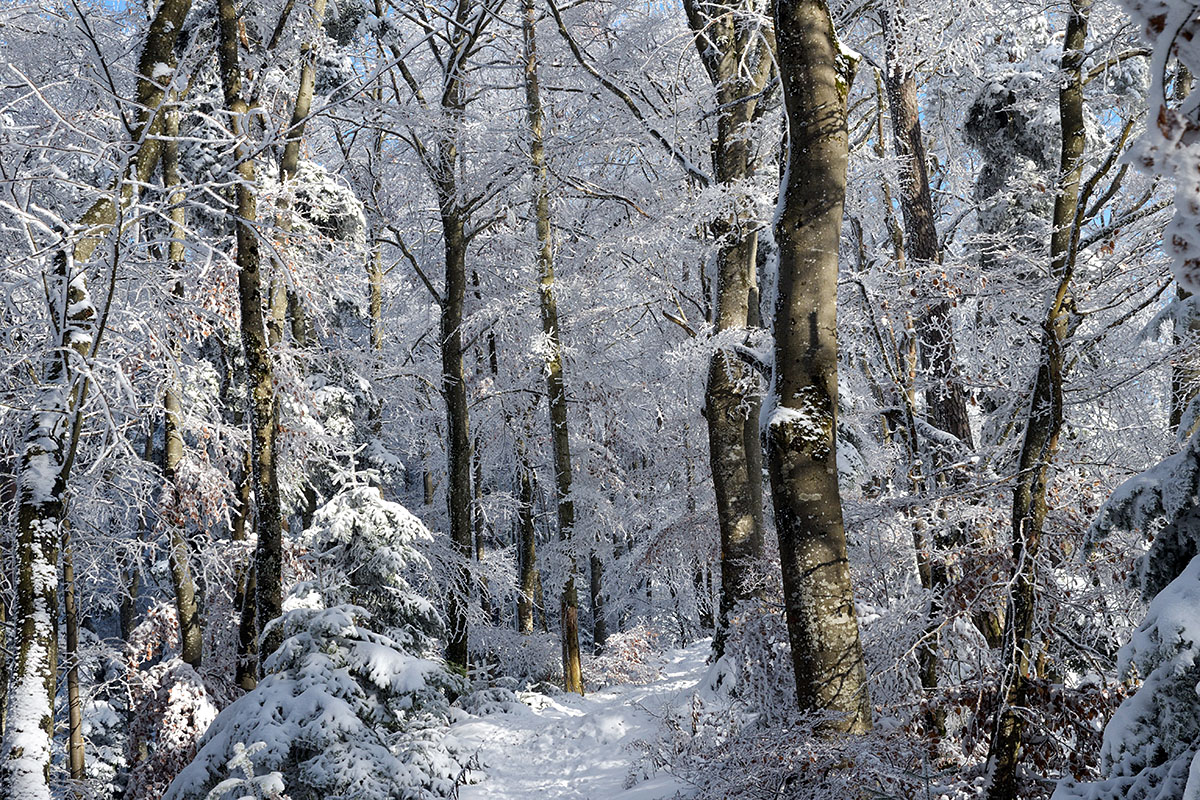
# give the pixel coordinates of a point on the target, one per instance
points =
(568, 747)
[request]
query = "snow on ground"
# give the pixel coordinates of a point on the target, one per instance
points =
(579, 748)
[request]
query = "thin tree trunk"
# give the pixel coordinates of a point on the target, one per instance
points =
(285, 302)
(1043, 426)
(75, 754)
(555, 385)
(802, 433)
(268, 560)
(526, 544)
(245, 671)
(485, 599)
(191, 638)
(130, 575)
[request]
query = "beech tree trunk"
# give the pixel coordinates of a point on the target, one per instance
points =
(802, 433)
(454, 389)
(1042, 428)
(738, 58)
(268, 559)
(556, 391)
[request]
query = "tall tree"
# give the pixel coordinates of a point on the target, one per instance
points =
(186, 606)
(47, 452)
(816, 73)
(556, 390)
(736, 47)
(452, 47)
(1043, 424)
(260, 372)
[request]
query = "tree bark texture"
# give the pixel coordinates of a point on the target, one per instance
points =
(1042, 427)
(555, 383)
(75, 753)
(268, 559)
(738, 57)
(186, 607)
(801, 434)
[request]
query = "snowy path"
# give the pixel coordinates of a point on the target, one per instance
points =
(579, 748)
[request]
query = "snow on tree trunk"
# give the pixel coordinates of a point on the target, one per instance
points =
(801, 430)
(738, 57)
(44, 469)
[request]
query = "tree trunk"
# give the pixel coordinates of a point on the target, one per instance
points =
(801, 436)
(526, 544)
(75, 755)
(1043, 426)
(44, 469)
(738, 58)
(45, 461)
(286, 302)
(245, 671)
(268, 560)
(458, 446)
(945, 397)
(191, 639)
(555, 385)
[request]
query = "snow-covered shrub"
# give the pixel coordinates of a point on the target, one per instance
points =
(756, 668)
(726, 752)
(243, 783)
(342, 713)
(364, 551)
(171, 708)
(635, 655)
(345, 711)
(1152, 742)
(527, 659)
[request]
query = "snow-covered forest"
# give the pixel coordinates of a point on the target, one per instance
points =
(599, 399)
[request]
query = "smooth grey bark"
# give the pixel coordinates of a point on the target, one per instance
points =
(738, 58)
(1043, 426)
(556, 391)
(801, 435)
